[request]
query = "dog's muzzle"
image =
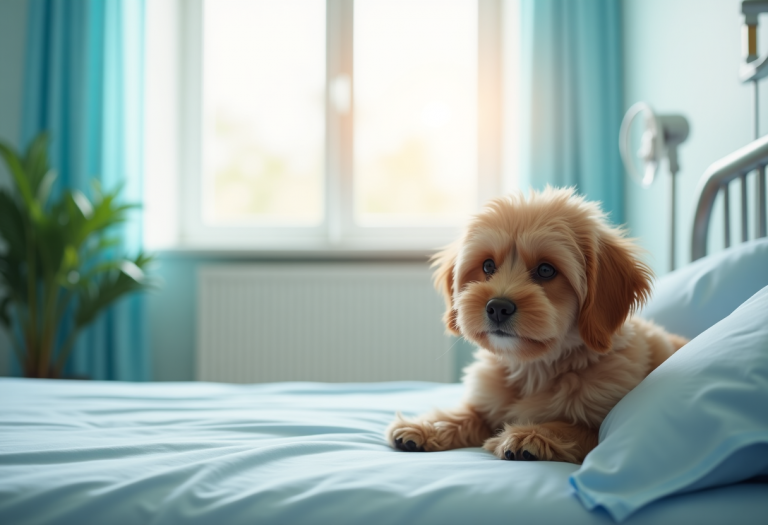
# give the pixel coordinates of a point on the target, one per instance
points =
(499, 310)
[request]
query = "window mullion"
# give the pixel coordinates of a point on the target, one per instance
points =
(339, 119)
(192, 207)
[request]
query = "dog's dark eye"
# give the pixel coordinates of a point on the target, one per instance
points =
(545, 271)
(489, 267)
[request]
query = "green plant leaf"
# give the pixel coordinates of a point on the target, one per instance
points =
(5, 317)
(71, 259)
(83, 204)
(128, 277)
(44, 190)
(68, 220)
(21, 179)
(36, 161)
(15, 280)
(132, 270)
(101, 267)
(12, 225)
(102, 214)
(52, 241)
(104, 243)
(95, 249)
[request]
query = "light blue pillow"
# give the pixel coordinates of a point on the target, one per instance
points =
(699, 420)
(693, 298)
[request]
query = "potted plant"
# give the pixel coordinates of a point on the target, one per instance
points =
(58, 268)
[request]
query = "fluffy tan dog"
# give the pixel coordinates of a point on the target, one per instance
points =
(544, 287)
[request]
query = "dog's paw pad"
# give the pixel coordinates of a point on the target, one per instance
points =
(520, 455)
(408, 446)
(519, 445)
(412, 447)
(407, 438)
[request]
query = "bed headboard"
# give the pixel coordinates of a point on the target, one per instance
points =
(737, 165)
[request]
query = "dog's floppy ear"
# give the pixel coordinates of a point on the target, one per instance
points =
(444, 263)
(617, 283)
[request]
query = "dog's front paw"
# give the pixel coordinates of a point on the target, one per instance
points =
(409, 436)
(529, 443)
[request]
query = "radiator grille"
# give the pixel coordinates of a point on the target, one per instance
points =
(352, 322)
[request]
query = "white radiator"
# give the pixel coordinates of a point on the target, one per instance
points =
(321, 322)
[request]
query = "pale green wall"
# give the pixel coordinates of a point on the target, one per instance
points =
(13, 21)
(683, 56)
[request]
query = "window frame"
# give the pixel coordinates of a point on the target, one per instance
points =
(338, 232)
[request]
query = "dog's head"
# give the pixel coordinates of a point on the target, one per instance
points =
(531, 277)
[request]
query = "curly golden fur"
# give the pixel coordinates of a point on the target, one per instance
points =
(563, 351)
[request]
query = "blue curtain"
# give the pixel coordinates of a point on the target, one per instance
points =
(571, 98)
(84, 84)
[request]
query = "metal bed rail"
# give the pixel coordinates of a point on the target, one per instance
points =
(737, 165)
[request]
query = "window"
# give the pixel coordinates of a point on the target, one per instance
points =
(415, 111)
(263, 100)
(322, 125)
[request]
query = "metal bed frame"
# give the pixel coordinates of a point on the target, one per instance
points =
(737, 165)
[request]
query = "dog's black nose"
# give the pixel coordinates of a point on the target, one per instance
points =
(499, 310)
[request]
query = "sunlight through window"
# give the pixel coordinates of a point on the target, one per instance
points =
(264, 111)
(415, 101)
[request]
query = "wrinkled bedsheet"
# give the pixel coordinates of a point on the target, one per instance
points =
(156, 453)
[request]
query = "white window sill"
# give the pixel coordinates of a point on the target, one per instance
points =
(335, 253)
